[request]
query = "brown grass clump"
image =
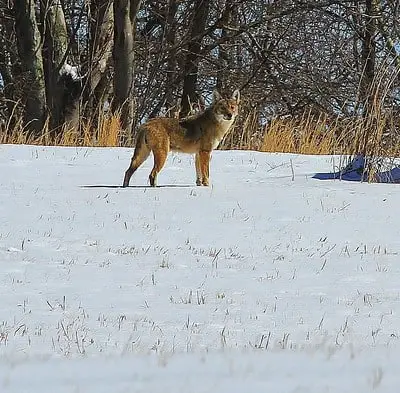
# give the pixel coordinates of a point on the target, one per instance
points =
(107, 133)
(309, 134)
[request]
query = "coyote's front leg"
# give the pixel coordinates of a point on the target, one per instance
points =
(204, 167)
(199, 177)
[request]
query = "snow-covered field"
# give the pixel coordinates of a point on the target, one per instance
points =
(270, 280)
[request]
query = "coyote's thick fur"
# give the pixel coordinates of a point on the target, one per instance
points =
(198, 134)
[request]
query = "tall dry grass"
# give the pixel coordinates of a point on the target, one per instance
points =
(107, 133)
(373, 136)
(306, 134)
(309, 134)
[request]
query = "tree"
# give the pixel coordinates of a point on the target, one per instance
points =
(191, 67)
(100, 53)
(29, 49)
(55, 49)
(125, 12)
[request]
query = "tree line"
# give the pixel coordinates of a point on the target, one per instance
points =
(65, 61)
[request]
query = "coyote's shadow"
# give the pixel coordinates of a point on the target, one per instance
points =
(139, 186)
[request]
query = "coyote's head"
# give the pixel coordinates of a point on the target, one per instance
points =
(226, 109)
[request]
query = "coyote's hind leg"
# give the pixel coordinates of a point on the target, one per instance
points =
(139, 157)
(160, 156)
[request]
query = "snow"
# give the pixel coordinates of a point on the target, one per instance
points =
(72, 71)
(269, 280)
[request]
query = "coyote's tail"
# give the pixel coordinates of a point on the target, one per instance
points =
(140, 143)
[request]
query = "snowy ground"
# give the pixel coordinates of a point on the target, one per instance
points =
(270, 280)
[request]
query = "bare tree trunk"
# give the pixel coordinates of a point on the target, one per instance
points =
(100, 56)
(222, 55)
(125, 12)
(55, 48)
(368, 53)
(191, 69)
(171, 60)
(29, 48)
(6, 29)
(367, 85)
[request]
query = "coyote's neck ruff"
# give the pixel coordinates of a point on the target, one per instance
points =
(198, 134)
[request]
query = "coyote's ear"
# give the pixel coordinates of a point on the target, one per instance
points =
(216, 96)
(236, 96)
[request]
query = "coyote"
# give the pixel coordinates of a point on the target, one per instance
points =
(198, 134)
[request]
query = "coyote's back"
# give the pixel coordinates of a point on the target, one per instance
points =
(199, 135)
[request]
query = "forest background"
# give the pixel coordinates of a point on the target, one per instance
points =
(316, 76)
